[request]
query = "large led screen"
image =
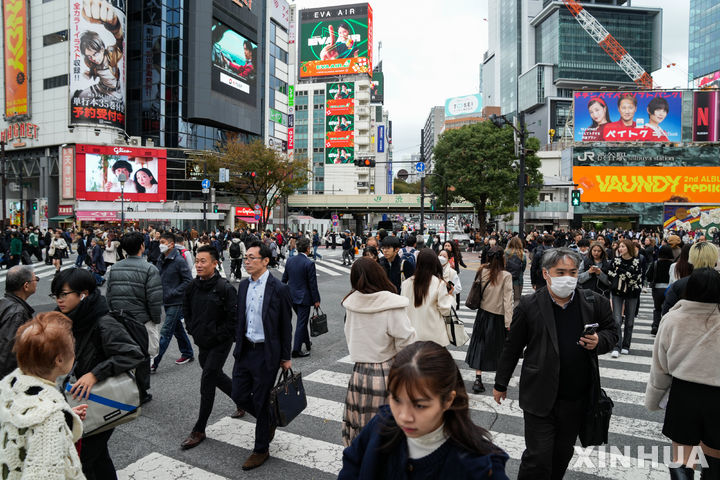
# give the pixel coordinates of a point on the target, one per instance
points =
(99, 170)
(15, 23)
(97, 62)
(234, 64)
(628, 116)
(336, 41)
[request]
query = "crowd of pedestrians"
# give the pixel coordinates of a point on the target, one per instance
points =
(407, 407)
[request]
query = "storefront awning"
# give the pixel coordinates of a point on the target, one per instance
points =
(62, 218)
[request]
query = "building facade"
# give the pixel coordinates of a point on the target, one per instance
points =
(434, 125)
(704, 41)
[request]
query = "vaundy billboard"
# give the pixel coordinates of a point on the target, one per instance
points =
(15, 39)
(336, 40)
(97, 62)
(628, 116)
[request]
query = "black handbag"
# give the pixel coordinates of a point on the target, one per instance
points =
(474, 299)
(596, 422)
(318, 323)
(287, 398)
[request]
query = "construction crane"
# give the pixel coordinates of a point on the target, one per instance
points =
(608, 43)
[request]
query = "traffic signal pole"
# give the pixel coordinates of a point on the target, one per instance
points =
(422, 184)
(521, 208)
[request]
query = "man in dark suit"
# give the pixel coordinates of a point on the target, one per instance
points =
(262, 346)
(301, 278)
(560, 364)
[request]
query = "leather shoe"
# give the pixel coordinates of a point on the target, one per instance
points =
(239, 413)
(193, 440)
(255, 460)
(300, 354)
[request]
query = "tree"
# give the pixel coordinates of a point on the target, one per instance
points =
(258, 174)
(479, 161)
(401, 186)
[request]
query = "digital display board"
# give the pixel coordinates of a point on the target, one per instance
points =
(377, 88)
(336, 41)
(336, 156)
(628, 116)
(98, 170)
(234, 64)
(15, 54)
(339, 121)
(467, 105)
(704, 218)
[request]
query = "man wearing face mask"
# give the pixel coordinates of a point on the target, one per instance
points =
(559, 362)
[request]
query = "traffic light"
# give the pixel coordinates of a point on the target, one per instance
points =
(575, 198)
(433, 204)
(34, 205)
(364, 162)
(215, 209)
(248, 174)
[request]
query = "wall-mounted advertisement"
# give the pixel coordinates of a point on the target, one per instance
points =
(336, 41)
(467, 105)
(234, 64)
(340, 107)
(646, 155)
(99, 170)
(336, 156)
(337, 124)
(706, 116)
(377, 88)
(628, 116)
(702, 218)
(97, 63)
(707, 81)
(381, 139)
(15, 35)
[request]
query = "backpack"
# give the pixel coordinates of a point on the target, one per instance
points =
(536, 268)
(135, 329)
(235, 250)
(409, 256)
(513, 264)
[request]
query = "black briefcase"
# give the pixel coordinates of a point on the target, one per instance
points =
(318, 323)
(596, 424)
(287, 398)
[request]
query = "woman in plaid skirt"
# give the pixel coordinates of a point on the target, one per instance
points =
(377, 327)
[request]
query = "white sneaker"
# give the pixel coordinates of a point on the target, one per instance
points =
(625, 351)
(615, 354)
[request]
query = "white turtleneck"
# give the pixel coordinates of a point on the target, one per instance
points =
(423, 446)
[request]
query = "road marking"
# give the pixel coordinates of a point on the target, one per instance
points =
(337, 264)
(327, 270)
(159, 467)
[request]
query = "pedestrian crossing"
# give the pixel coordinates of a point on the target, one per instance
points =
(624, 380)
(42, 270)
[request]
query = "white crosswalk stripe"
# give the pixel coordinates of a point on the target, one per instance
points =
(624, 379)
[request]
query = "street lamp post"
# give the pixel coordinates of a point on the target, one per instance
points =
(122, 179)
(445, 201)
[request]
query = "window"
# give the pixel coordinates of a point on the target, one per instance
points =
(53, 82)
(53, 38)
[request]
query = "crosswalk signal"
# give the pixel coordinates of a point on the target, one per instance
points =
(215, 209)
(34, 205)
(433, 204)
(575, 198)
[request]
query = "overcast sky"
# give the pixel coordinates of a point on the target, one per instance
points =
(432, 50)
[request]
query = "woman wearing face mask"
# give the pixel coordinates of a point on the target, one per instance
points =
(493, 317)
(626, 279)
(426, 432)
(103, 349)
(450, 276)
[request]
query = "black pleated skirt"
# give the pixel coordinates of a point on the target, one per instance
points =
(487, 341)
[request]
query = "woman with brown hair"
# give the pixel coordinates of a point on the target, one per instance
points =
(626, 279)
(493, 318)
(377, 327)
(426, 429)
(431, 299)
(682, 267)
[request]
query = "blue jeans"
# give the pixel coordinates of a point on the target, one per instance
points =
(624, 337)
(315, 254)
(80, 260)
(173, 326)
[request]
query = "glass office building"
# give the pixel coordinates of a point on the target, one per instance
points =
(704, 41)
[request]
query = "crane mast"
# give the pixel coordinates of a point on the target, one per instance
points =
(608, 43)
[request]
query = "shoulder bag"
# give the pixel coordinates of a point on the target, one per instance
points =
(112, 402)
(287, 398)
(318, 323)
(474, 298)
(455, 329)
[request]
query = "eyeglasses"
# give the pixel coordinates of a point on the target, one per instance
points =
(62, 295)
(250, 258)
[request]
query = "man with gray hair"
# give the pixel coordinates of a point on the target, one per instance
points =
(560, 367)
(20, 283)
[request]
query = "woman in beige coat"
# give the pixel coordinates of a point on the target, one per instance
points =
(493, 318)
(430, 298)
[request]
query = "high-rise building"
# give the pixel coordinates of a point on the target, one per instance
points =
(704, 41)
(431, 131)
(538, 54)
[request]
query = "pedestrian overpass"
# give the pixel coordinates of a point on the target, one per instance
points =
(371, 203)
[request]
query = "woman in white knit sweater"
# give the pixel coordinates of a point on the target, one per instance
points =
(39, 427)
(685, 361)
(377, 327)
(430, 298)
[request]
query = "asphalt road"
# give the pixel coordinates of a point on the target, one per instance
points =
(311, 447)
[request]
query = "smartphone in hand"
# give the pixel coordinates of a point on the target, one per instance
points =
(450, 286)
(589, 329)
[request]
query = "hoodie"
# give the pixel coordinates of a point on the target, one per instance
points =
(377, 326)
(39, 428)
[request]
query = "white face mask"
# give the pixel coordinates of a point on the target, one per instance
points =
(164, 247)
(562, 286)
(443, 261)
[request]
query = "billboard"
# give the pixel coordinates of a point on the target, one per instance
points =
(706, 116)
(467, 105)
(339, 119)
(710, 80)
(15, 36)
(336, 156)
(97, 64)
(703, 218)
(628, 116)
(377, 88)
(381, 139)
(336, 41)
(340, 130)
(98, 169)
(234, 64)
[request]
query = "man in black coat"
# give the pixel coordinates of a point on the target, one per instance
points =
(20, 283)
(210, 314)
(395, 267)
(559, 363)
(301, 277)
(262, 346)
